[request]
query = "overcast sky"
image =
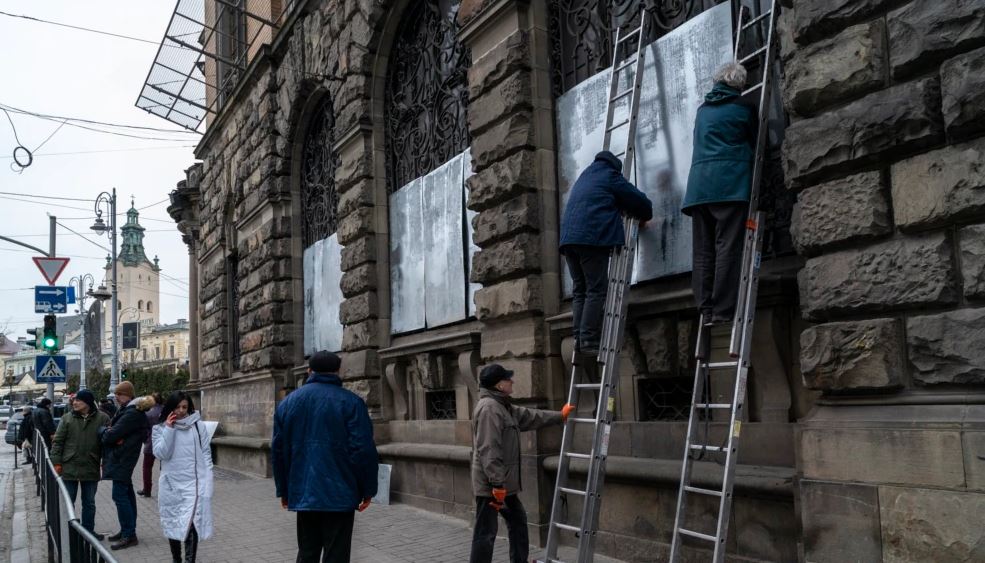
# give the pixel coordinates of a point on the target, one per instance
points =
(60, 71)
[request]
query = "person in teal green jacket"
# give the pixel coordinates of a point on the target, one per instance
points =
(717, 196)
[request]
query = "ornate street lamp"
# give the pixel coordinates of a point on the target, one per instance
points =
(106, 202)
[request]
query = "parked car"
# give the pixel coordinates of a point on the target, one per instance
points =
(13, 425)
(5, 411)
(57, 411)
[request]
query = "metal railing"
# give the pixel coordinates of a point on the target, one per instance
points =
(63, 528)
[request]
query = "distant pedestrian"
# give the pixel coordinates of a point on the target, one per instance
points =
(184, 500)
(153, 416)
(108, 406)
(25, 434)
(121, 448)
(718, 189)
(496, 425)
(325, 461)
(75, 453)
(590, 228)
(43, 421)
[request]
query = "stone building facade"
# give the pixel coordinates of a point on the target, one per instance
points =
(861, 412)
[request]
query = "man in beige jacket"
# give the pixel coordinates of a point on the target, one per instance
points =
(496, 480)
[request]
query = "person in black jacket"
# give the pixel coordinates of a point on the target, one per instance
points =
(590, 228)
(43, 421)
(25, 434)
(121, 443)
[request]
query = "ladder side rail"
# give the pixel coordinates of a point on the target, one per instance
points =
(731, 455)
(743, 311)
(629, 159)
(610, 109)
(692, 422)
(597, 479)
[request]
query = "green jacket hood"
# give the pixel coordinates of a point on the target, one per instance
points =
(721, 92)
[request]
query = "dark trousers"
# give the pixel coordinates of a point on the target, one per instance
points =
(487, 524)
(327, 535)
(589, 267)
(191, 547)
(88, 500)
(126, 508)
(718, 231)
(147, 471)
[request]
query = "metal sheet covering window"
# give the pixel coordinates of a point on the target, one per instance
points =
(322, 258)
(677, 70)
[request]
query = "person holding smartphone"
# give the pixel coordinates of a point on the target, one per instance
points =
(182, 443)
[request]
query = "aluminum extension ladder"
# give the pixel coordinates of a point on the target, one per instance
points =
(626, 60)
(742, 324)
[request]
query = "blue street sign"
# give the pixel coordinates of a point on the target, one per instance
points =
(49, 369)
(50, 298)
(71, 295)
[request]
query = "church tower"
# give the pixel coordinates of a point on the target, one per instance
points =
(138, 279)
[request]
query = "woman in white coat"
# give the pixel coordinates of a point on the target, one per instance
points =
(181, 442)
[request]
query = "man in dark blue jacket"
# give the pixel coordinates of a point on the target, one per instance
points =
(121, 442)
(718, 186)
(590, 228)
(325, 460)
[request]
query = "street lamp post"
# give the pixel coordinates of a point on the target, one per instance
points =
(82, 292)
(106, 201)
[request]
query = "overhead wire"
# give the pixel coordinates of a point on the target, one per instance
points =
(109, 150)
(80, 28)
(80, 235)
(18, 194)
(96, 122)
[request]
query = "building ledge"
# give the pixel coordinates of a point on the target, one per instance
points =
(756, 479)
(432, 452)
(242, 442)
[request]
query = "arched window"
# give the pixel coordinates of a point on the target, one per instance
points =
(150, 306)
(140, 305)
(426, 92)
(319, 201)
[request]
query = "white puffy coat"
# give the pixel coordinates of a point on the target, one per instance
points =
(185, 492)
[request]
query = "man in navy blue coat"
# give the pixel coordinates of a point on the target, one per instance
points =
(325, 461)
(590, 228)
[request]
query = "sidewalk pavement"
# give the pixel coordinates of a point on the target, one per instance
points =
(251, 526)
(22, 532)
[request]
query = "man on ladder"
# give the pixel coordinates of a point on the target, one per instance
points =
(591, 227)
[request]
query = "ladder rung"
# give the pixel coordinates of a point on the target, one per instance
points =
(617, 125)
(584, 420)
(752, 89)
(698, 535)
(628, 35)
(573, 491)
(570, 528)
(622, 95)
(756, 19)
(721, 365)
(625, 65)
(707, 448)
(588, 385)
(701, 491)
(753, 54)
(577, 456)
(713, 405)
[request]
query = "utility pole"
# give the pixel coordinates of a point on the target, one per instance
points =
(51, 252)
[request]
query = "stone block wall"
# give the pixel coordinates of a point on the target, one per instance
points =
(884, 151)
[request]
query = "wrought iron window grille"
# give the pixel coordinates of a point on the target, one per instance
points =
(441, 405)
(319, 199)
(664, 398)
(426, 94)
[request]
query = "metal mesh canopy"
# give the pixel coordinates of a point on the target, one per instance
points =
(204, 51)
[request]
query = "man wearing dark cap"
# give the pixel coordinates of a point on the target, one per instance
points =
(496, 426)
(590, 228)
(75, 453)
(43, 421)
(324, 430)
(121, 443)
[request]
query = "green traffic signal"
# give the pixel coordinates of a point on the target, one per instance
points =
(50, 339)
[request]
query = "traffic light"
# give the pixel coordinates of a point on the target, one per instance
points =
(36, 342)
(123, 374)
(49, 340)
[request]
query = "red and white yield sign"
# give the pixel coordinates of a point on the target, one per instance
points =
(50, 268)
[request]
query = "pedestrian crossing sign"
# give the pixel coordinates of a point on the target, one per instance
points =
(49, 369)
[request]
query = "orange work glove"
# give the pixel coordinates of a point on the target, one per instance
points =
(283, 503)
(58, 468)
(499, 498)
(566, 410)
(364, 504)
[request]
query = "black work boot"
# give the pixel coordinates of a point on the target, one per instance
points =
(125, 543)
